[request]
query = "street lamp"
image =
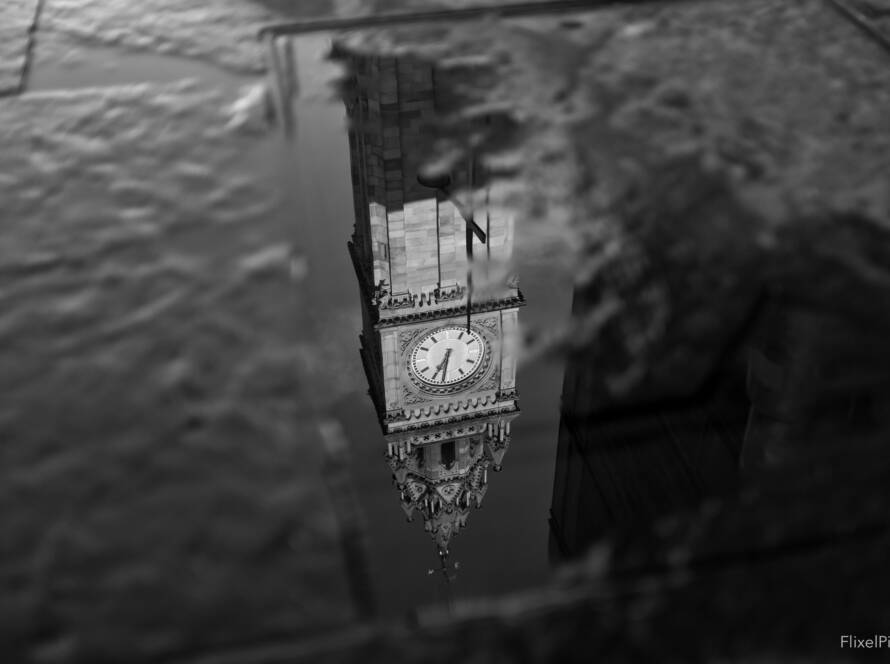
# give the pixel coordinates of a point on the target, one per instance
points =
(442, 183)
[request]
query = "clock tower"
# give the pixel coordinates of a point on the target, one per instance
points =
(440, 311)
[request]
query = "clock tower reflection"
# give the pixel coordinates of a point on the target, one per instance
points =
(443, 383)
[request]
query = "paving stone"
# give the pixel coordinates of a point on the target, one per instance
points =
(160, 478)
(16, 20)
(223, 32)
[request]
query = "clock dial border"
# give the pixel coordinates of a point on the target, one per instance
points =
(471, 379)
(474, 357)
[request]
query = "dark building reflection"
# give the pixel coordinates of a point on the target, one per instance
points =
(621, 468)
(816, 379)
(443, 384)
(796, 381)
(800, 383)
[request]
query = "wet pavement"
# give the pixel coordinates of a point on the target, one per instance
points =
(19, 18)
(156, 440)
(160, 437)
(223, 389)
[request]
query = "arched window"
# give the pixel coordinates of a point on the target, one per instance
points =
(448, 456)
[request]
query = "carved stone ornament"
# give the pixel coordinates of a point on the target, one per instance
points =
(407, 336)
(412, 397)
(491, 323)
(492, 382)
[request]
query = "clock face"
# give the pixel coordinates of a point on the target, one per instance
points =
(447, 356)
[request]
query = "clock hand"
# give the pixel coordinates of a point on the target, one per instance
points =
(443, 365)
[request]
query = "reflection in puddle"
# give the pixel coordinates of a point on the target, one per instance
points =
(801, 387)
(440, 363)
(687, 381)
(426, 252)
(625, 467)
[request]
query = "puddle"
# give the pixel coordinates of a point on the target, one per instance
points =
(404, 562)
(654, 412)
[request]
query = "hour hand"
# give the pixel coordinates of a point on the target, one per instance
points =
(443, 365)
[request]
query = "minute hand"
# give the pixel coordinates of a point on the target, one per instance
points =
(443, 365)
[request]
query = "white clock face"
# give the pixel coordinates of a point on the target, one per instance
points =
(447, 356)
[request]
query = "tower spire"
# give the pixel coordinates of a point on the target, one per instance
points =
(442, 495)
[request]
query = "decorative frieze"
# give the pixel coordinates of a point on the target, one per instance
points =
(444, 434)
(400, 301)
(508, 395)
(391, 416)
(383, 299)
(410, 420)
(451, 312)
(443, 408)
(449, 293)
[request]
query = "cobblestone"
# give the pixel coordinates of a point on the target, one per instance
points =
(222, 31)
(157, 480)
(16, 20)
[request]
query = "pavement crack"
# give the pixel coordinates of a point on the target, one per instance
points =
(29, 48)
